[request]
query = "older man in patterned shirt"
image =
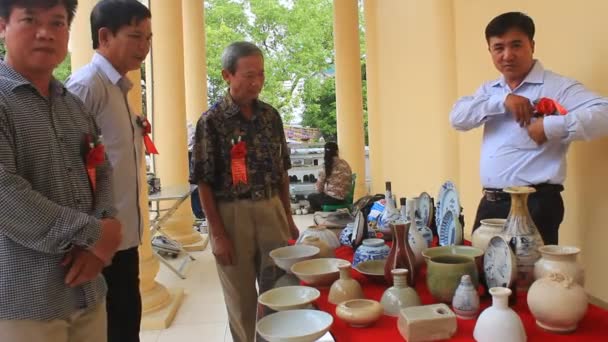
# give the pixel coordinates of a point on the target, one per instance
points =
(56, 225)
(240, 165)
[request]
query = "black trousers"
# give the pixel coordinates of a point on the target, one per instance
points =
(546, 208)
(318, 199)
(123, 302)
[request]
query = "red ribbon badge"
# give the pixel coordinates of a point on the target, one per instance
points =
(147, 129)
(94, 157)
(546, 106)
(239, 167)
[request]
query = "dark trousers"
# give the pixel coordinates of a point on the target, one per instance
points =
(318, 199)
(546, 208)
(123, 302)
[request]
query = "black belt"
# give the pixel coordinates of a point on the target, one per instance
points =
(496, 195)
(255, 195)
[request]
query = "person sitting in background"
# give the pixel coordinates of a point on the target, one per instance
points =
(334, 182)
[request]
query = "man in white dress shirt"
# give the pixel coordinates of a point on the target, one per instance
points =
(519, 147)
(121, 33)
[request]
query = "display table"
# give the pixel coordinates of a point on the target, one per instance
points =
(594, 327)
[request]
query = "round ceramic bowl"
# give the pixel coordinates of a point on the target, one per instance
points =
(285, 257)
(468, 251)
(294, 325)
(289, 297)
(318, 272)
(372, 269)
(359, 312)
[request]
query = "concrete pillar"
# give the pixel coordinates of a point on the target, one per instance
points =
(349, 97)
(169, 111)
(195, 60)
(81, 45)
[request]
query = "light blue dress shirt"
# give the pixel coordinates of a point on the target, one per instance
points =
(104, 92)
(509, 157)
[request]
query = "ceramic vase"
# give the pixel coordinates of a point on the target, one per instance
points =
(401, 255)
(345, 288)
(400, 295)
(466, 299)
(371, 249)
(444, 273)
(324, 250)
(488, 229)
(521, 230)
(559, 259)
(346, 235)
(499, 323)
(557, 302)
(417, 243)
(322, 233)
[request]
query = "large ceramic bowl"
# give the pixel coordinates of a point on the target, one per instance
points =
(318, 272)
(372, 269)
(468, 251)
(285, 257)
(289, 297)
(294, 325)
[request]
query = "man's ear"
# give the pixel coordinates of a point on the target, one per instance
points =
(103, 35)
(226, 75)
(533, 44)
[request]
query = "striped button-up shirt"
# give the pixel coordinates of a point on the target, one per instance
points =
(104, 92)
(47, 205)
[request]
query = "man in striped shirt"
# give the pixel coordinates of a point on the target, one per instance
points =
(57, 229)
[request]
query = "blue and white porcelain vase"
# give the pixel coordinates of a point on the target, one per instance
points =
(466, 299)
(346, 235)
(371, 249)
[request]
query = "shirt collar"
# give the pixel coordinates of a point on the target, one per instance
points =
(17, 80)
(535, 76)
(111, 73)
(231, 108)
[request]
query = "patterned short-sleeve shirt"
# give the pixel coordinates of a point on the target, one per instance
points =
(267, 157)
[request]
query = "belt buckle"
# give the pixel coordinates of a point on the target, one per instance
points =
(492, 196)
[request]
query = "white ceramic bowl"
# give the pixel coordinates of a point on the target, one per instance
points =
(318, 272)
(289, 297)
(285, 257)
(359, 312)
(294, 325)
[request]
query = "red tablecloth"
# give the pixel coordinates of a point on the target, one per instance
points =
(594, 327)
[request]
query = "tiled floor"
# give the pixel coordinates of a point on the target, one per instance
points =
(202, 316)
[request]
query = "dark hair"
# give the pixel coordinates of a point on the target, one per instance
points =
(6, 6)
(237, 50)
(114, 14)
(331, 150)
(510, 20)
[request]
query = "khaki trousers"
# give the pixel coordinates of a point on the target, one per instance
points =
(255, 228)
(82, 326)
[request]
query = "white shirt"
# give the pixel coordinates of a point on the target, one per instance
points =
(509, 157)
(104, 92)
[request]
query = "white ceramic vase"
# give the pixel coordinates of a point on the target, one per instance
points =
(559, 259)
(499, 323)
(557, 302)
(329, 237)
(400, 295)
(345, 288)
(489, 228)
(466, 299)
(416, 240)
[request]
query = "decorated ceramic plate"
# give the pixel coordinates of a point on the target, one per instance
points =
(446, 230)
(499, 264)
(358, 229)
(425, 208)
(447, 200)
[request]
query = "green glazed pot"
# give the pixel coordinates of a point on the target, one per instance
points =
(444, 273)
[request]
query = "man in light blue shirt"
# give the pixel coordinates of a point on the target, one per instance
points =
(518, 147)
(121, 31)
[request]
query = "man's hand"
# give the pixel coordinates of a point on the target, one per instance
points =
(223, 250)
(293, 230)
(111, 236)
(84, 266)
(521, 108)
(536, 131)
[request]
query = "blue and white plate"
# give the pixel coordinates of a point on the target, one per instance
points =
(447, 200)
(499, 264)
